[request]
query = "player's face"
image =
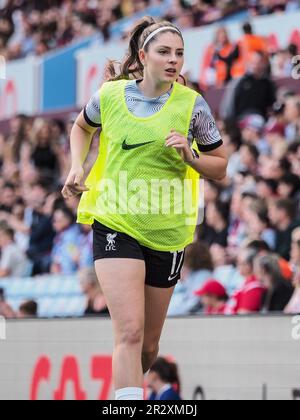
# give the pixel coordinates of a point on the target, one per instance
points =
(165, 57)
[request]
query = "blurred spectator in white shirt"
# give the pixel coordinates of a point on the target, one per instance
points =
(13, 262)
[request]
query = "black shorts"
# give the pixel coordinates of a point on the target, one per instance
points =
(162, 268)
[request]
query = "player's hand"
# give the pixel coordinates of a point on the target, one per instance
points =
(73, 185)
(181, 144)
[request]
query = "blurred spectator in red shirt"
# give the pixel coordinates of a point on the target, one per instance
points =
(249, 298)
(213, 297)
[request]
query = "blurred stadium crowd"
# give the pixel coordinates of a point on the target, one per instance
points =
(246, 257)
(34, 27)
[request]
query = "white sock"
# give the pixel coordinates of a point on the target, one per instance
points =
(130, 394)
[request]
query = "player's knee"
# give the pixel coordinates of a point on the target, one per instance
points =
(131, 335)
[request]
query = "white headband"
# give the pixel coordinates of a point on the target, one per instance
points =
(163, 28)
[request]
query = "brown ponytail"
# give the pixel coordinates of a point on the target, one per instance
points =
(131, 67)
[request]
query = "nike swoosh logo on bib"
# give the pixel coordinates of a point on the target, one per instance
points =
(126, 146)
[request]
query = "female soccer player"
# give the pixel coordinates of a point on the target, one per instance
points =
(141, 194)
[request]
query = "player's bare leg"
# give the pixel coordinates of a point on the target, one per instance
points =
(156, 306)
(123, 284)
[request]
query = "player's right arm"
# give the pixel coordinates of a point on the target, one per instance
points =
(80, 142)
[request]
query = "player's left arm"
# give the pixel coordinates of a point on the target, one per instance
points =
(211, 164)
